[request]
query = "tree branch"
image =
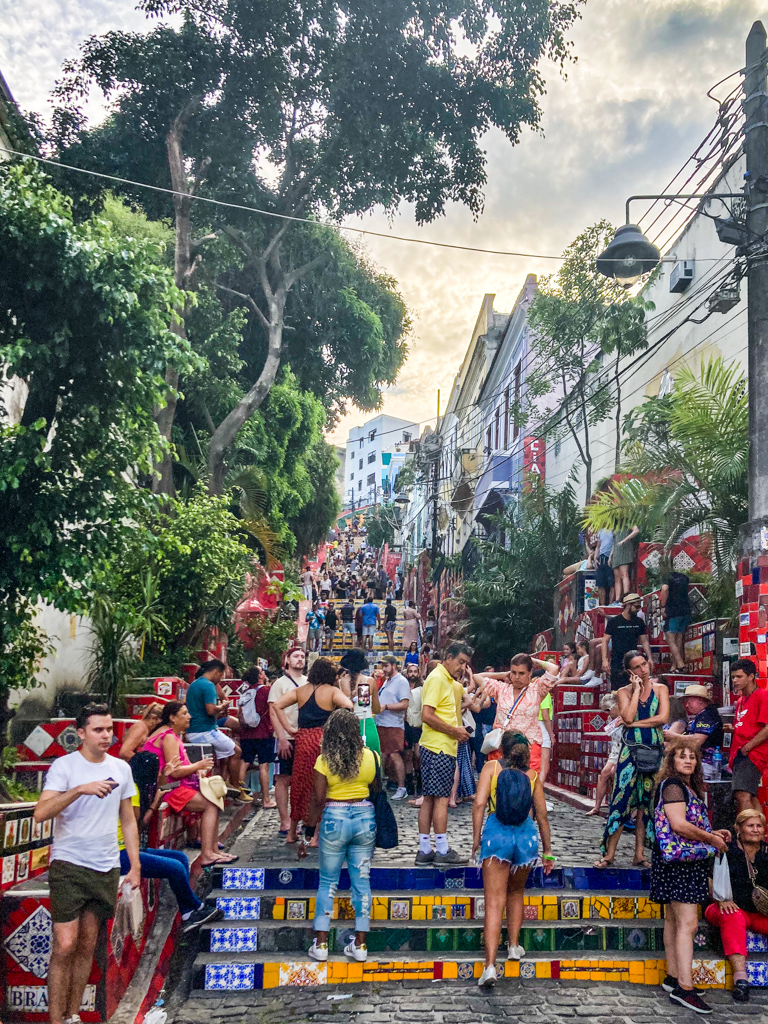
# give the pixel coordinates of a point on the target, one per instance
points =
(248, 300)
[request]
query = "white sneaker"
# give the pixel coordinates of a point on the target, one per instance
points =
(515, 952)
(319, 951)
(359, 953)
(400, 793)
(488, 978)
(549, 806)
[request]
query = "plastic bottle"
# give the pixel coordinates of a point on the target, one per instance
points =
(717, 765)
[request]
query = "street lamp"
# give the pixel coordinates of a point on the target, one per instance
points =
(402, 500)
(630, 254)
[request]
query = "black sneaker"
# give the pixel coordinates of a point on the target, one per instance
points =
(425, 858)
(451, 857)
(690, 999)
(740, 993)
(669, 984)
(200, 916)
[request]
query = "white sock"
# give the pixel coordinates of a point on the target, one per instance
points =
(441, 842)
(424, 844)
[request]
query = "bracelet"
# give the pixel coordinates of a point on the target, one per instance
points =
(548, 856)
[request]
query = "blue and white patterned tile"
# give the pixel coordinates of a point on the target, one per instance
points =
(757, 973)
(757, 943)
(234, 940)
(229, 977)
(527, 969)
(243, 878)
(30, 943)
(240, 908)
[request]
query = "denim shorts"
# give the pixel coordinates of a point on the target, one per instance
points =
(678, 624)
(517, 845)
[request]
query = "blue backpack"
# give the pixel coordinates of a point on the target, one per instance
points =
(513, 797)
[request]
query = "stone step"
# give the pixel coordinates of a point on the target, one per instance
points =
(436, 906)
(216, 972)
(396, 937)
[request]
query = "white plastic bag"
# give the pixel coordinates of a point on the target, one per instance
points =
(721, 880)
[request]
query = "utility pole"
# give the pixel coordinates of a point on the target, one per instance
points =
(756, 150)
(435, 486)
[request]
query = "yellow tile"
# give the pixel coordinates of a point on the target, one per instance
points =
(511, 969)
(549, 900)
(597, 975)
(604, 965)
(271, 975)
(279, 899)
(568, 964)
(602, 907)
(623, 907)
(278, 913)
(354, 972)
(636, 970)
(338, 971)
(464, 901)
(312, 903)
(583, 963)
(549, 913)
(478, 968)
(379, 913)
(428, 900)
(419, 913)
(450, 969)
(543, 969)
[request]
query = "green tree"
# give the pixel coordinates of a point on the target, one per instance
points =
(352, 106)
(509, 596)
(311, 525)
(688, 454)
(380, 525)
(85, 335)
(577, 316)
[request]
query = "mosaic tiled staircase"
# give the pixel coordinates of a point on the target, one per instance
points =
(345, 642)
(428, 923)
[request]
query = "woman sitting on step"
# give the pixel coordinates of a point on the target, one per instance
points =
(509, 846)
(748, 867)
(344, 774)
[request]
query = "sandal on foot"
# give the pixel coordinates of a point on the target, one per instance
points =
(603, 863)
(641, 863)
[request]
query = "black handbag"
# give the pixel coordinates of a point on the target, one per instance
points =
(645, 757)
(386, 826)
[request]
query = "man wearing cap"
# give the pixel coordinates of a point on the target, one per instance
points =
(705, 726)
(394, 696)
(626, 632)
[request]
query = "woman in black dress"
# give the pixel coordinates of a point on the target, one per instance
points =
(682, 831)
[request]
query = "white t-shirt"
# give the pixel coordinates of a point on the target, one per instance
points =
(85, 833)
(282, 686)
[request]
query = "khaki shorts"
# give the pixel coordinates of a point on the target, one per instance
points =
(75, 889)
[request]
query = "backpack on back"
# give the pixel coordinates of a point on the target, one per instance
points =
(247, 705)
(514, 797)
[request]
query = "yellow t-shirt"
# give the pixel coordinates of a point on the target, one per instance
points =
(440, 693)
(135, 802)
(349, 789)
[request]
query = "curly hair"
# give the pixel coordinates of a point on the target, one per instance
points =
(342, 744)
(323, 673)
(668, 770)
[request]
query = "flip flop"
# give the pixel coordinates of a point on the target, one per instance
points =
(641, 863)
(282, 831)
(602, 864)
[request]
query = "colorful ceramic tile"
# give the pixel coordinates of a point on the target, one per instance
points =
(30, 944)
(479, 907)
(242, 878)
(22, 866)
(439, 913)
(37, 831)
(757, 943)
(47, 826)
(229, 977)
(234, 940)
(400, 910)
(623, 907)
(527, 969)
(296, 910)
(38, 741)
(286, 877)
(466, 971)
(531, 912)
(9, 870)
(459, 911)
(600, 907)
(240, 908)
(11, 833)
(25, 831)
(570, 909)
(345, 911)
(299, 974)
(757, 973)
(708, 972)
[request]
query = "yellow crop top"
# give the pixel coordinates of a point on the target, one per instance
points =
(135, 802)
(349, 789)
(532, 775)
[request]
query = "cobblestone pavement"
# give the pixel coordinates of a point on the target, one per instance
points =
(510, 1002)
(575, 838)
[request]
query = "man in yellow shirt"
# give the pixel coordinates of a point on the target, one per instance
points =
(442, 731)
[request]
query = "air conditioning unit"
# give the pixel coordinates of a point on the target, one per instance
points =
(681, 276)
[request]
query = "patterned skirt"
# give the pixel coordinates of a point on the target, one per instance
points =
(467, 785)
(632, 791)
(306, 751)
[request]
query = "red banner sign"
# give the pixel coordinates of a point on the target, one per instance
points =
(534, 460)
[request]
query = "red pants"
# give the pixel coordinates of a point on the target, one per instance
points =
(733, 927)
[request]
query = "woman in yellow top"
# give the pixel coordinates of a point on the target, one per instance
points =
(509, 851)
(344, 773)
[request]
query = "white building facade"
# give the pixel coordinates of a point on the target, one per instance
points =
(373, 452)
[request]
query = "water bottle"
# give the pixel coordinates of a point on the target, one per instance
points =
(717, 765)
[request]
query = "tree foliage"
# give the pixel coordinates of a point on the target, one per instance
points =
(85, 334)
(577, 316)
(380, 525)
(347, 106)
(688, 453)
(509, 596)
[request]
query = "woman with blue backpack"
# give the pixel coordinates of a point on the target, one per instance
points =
(509, 844)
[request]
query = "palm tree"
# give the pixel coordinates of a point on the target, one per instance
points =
(688, 455)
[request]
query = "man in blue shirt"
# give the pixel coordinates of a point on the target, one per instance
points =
(205, 711)
(371, 618)
(315, 620)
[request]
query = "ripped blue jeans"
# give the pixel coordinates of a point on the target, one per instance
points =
(347, 833)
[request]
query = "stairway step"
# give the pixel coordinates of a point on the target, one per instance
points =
(216, 972)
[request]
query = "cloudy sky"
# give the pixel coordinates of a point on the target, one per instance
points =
(630, 112)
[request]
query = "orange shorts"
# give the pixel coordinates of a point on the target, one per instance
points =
(495, 755)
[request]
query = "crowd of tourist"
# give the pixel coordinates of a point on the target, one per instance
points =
(430, 727)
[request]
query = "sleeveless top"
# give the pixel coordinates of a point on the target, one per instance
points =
(311, 715)
(645, 709)
(532, 775)
(155, 746)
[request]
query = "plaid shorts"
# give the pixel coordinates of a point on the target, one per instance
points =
(437, 772)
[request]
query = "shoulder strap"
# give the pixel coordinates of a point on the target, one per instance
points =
(517, 701)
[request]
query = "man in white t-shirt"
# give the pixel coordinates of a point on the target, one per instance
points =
(291, 678)
(86, 792)
(394, 697)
